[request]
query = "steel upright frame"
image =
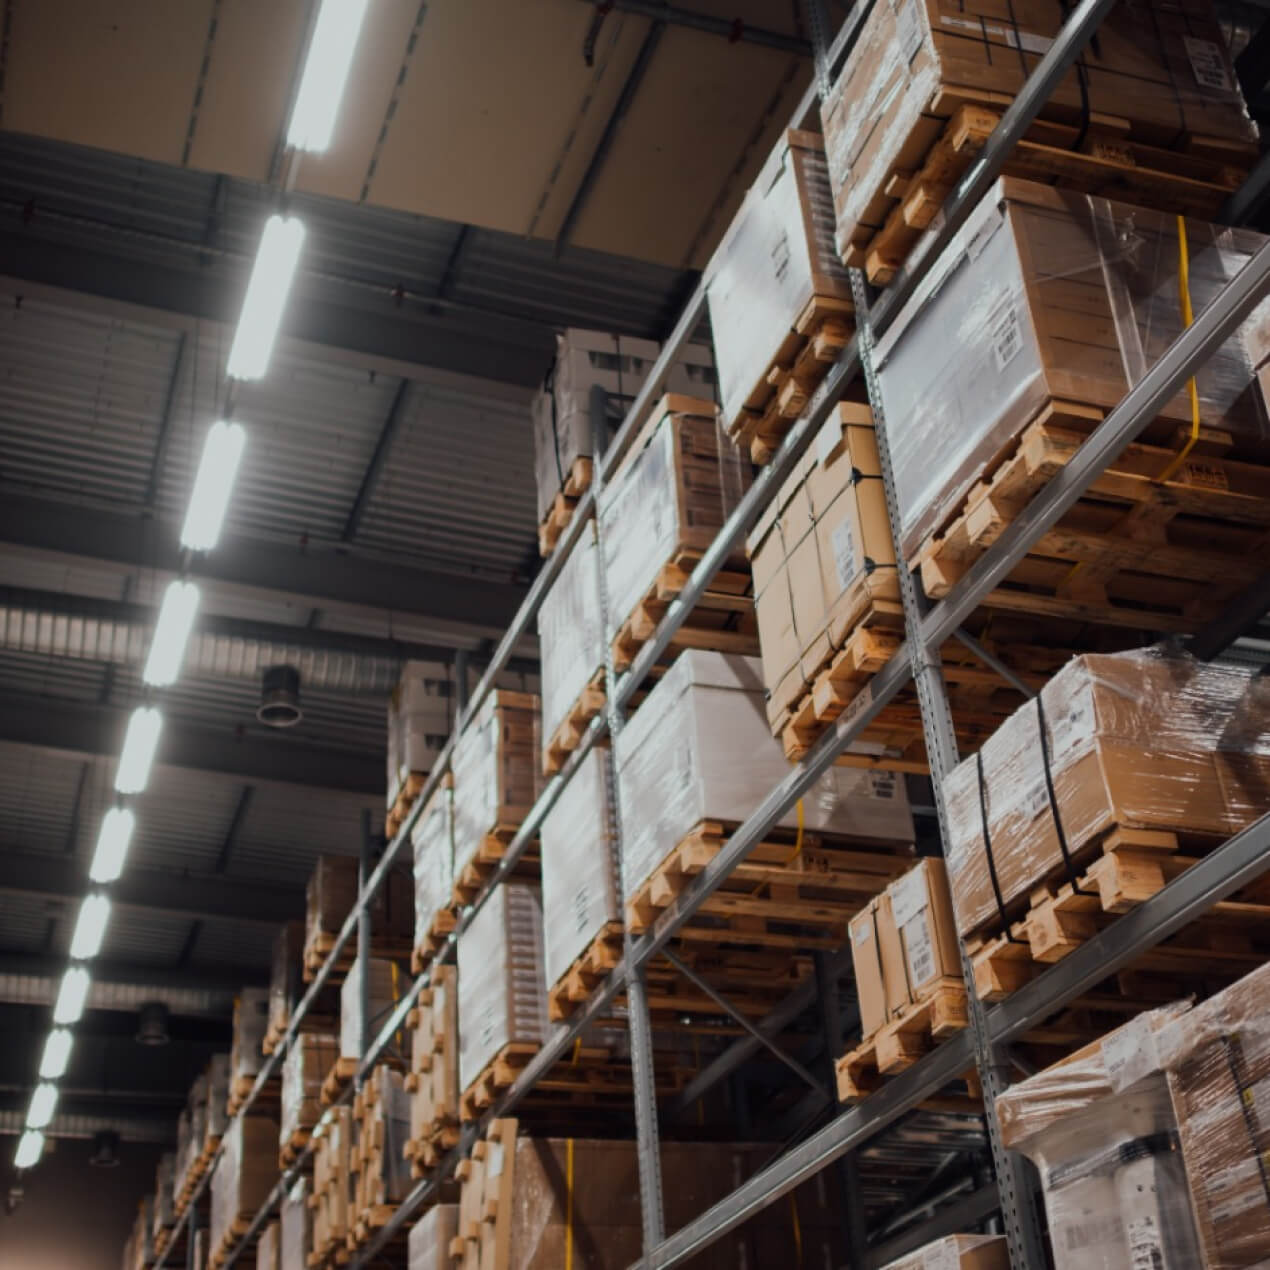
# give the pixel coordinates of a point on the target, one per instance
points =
(1205, 883)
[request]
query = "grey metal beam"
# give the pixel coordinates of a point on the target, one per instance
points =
(370, 480)
(80, 728)
(734, 30)
(187, 895)
(235, 828)
(162, 443)
(319, 572)
(196, 978)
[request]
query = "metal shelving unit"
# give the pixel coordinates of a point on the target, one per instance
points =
(983, 1044)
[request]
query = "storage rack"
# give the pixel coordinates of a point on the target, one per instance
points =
(983, 1043)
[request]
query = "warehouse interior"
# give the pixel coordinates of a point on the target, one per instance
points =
(498, 174)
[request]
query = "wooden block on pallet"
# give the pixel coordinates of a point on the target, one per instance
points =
(594, 964)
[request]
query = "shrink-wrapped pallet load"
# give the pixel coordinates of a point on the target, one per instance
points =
(386, 983)
(191, 1130)
(304, 1068)
(428, 1247)
(1150, 740)
(164, 1199)
(957, 1252)
(295, 1228)
(381, 1172)
(330, 896)
(432, 845)
(218, 1082)
(267, 1251)
(246, 1051)
(244, 1176)
(418, 715)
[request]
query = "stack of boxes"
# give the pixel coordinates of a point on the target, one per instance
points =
(246, 1053)
(380, 1172)
(329, 898)
(432, 843)
(244, 1176)
(418, 714)
(307, 1062)
(330, 1194)
(433, 1079)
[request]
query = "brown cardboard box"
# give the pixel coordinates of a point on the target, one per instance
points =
(958, 1252)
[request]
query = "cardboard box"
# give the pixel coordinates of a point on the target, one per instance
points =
(295, 1227)
(777, 255)
(1054, 297)
(387, 983)
(251, 1021)
(245, 1173)
(331, 894)
(418, 722)
(958, 1252)
(310, 1056)
(432, 841)
(822, 557)
(428, 1246)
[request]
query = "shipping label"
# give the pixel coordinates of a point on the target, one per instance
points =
(1208, 64)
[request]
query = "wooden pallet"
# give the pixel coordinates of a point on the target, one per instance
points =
(425, 1153)
(811, 347)
(411, 788)
(313, 1021)
(476, 873)
(779, 897)
(576, 483)
(903, 1040)
(342, 1071)
(1100, 159)
(1129, 866)
(440, 928)
(241, 1086)
(291, 1150)
(572, 728)
(722, 620)
(318, 948)
(230, 1239)
(594, 964)
(1135, 551)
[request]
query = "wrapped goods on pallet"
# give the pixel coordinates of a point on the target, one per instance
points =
(164, 1197)
(432, 842)
(418, 711)
(244, 1176)
(779, 297)
(496, 778)
(699, 749)
(295, 1228)
(927, 81)
(571, 644)
(286, 981)
(330, 1192)
(304, 1068)
(1061, 303)
(330, 897)
(200, 1250)
(218, 1082)
(191, 1130)
(428, 1247)
(246, 1051)
(1121, 763)
(139, 1250)
(579, 878)
(958, 1252)
(502, 994)
(433, 1079)
(823, 561)
(381, 1172)
(385, 987)
(618, 365)
(268, 1256)
(663, 507)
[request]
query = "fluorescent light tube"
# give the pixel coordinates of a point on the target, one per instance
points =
(71, 996)
(325, 73)
(138, 750)
(90, 927)
(266, 298)
(171, 633)
(43, 1105)
(213, 485)
(30, 1148)
(57, 1054)
(112, 844)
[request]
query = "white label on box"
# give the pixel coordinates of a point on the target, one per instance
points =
(828, 438)
(908, 896)
(908, 23)
(843, 541)
(860, 931)
(1007, 336)
(920, 950)
(883, 785)
(1130, 1054)
(1208, 64)
(1073, 731)
(1146, 1246)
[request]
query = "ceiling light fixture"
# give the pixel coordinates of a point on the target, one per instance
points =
(72, 995)
(133, 772)
(112, 844)
(43, 1105)
(222, 452)
(90, 927)
(30, 1148)
(171, 634)
(326, 70)
(57, 1054)
(271, 277)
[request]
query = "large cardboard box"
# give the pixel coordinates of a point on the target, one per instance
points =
(295, 1227)
(245, 1172)
(958, 1252)
(822, 558)
(331, 894)
(418, 720)
(432, 841)
(386, 984)
(699, 748)
(776, 257)
(428, 1246)
(251, 1021)
(1052, 296)
(309, 1057)
(1160, 70)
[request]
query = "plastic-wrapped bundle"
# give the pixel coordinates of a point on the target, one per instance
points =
(671, 493)
(579, 882)
(496, 771)
(245, 1173)
(379, 1161)
(200, 1249)
(699, 749)
(1162, 70)
(295, 1228)
(331, 894)
(570, 633)
(304, 1068)
(267, 1253)
(286, 982)
(958, 1252)
(384, 992)
(432, 840)
(434, 1071)
(502, 993)
(139, 1251)
(428, 1247)
(191, 1130)
(618, 364)
(777, 255)
(1148, 739)
(1053, 296)
(417, 713)
(164, 1200)
(251, 1021)
(218, 1071)
(330, 1199)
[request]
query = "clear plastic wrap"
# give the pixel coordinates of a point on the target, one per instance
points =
(570, 633)
(496, 770)
(670, 494)
(286, 982)
(386, 983)
(822, 556)
(267, 1254)
(432, 841)
(957, 1252)
(331, 893)
(200, 1249)
(503, 993)
(418, 713)
(579, 882)
(217, 1121)
(428, 1247)
(619, 364)
(777, 255)
(251, 1021)
(295, 1228)
(330, 1202)
(164, 1199)
(382, 1172)
(1149, 739)
(1162, 70)
(699, 748)
(245, 1172)
(309, 1058)
(191, 1130)
(1054, 296)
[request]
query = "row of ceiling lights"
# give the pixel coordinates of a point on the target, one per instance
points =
(312, 123)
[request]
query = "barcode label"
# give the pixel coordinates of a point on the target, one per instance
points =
(1146, 1249)
(1007, 337)
(1129, 1054)
(920, 950)
(843, 541)
(1208, 64)
(581, 903)
(780, 258)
